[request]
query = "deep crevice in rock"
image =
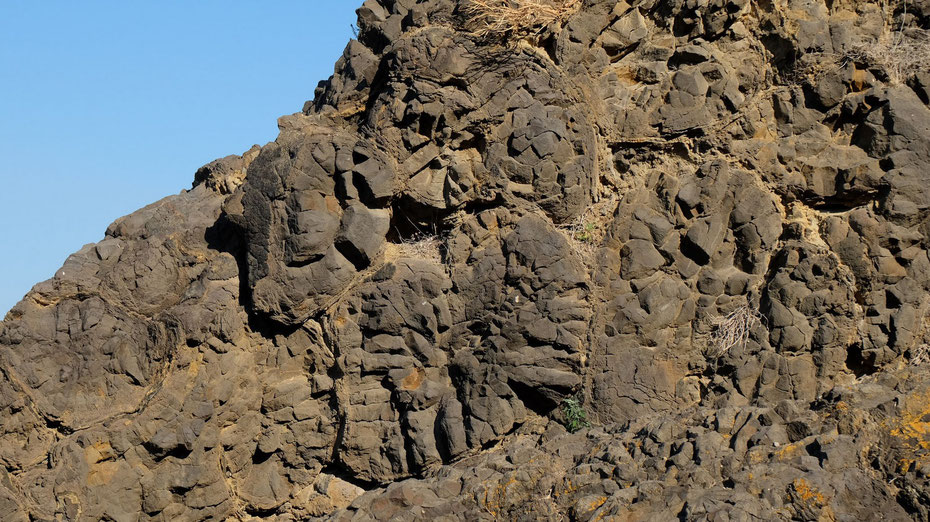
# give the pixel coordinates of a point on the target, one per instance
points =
(411, 221)
(337, 470)
(858, 362)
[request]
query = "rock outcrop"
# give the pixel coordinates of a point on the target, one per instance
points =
(707, 222)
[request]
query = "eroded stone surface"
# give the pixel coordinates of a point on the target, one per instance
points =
(285, 341)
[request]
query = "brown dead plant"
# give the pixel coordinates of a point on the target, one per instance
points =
(583, 236)
(506, 19)
(421, 246)
(920, 355)
(732, 330)
(901, 50)
(899, 54)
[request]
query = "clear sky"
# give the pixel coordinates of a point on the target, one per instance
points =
(106, 106)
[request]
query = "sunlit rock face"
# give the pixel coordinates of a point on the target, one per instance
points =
(705, 225)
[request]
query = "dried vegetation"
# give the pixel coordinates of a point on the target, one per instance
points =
(421, 246)
(505, 19)
(902, 49)
(731, 330)
(587, 231)
(899, 54)
(920, 355)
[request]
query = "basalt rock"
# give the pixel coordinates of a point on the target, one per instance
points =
(705, 222)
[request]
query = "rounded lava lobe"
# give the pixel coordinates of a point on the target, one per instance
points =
(443, 110)
(313, 219)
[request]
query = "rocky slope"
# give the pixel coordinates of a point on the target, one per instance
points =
(380, 314)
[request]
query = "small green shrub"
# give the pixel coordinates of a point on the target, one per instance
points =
(586, 234)
(574, 416)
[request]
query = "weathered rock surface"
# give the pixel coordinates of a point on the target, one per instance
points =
(285, 341)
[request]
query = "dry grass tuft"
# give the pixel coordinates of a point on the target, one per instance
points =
(584, 237)
(900, 54)
(504, 19)
(920, 355)
(732, 330)
(587, 231)
(421, 246)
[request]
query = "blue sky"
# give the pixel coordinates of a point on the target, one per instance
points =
(106, 106)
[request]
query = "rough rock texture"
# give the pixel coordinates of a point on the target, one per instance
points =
(283, 340)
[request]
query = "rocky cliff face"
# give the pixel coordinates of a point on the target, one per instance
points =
(706, 221)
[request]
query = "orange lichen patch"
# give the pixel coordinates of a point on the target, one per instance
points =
(413, 380)
(596, 503)
(567, 490)
(912, 429)
(905, 464)
(100, 463)
(789, 451)
(495, 497)
(914, 423)
(809, 503)
(758, 456)
(808, 493)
